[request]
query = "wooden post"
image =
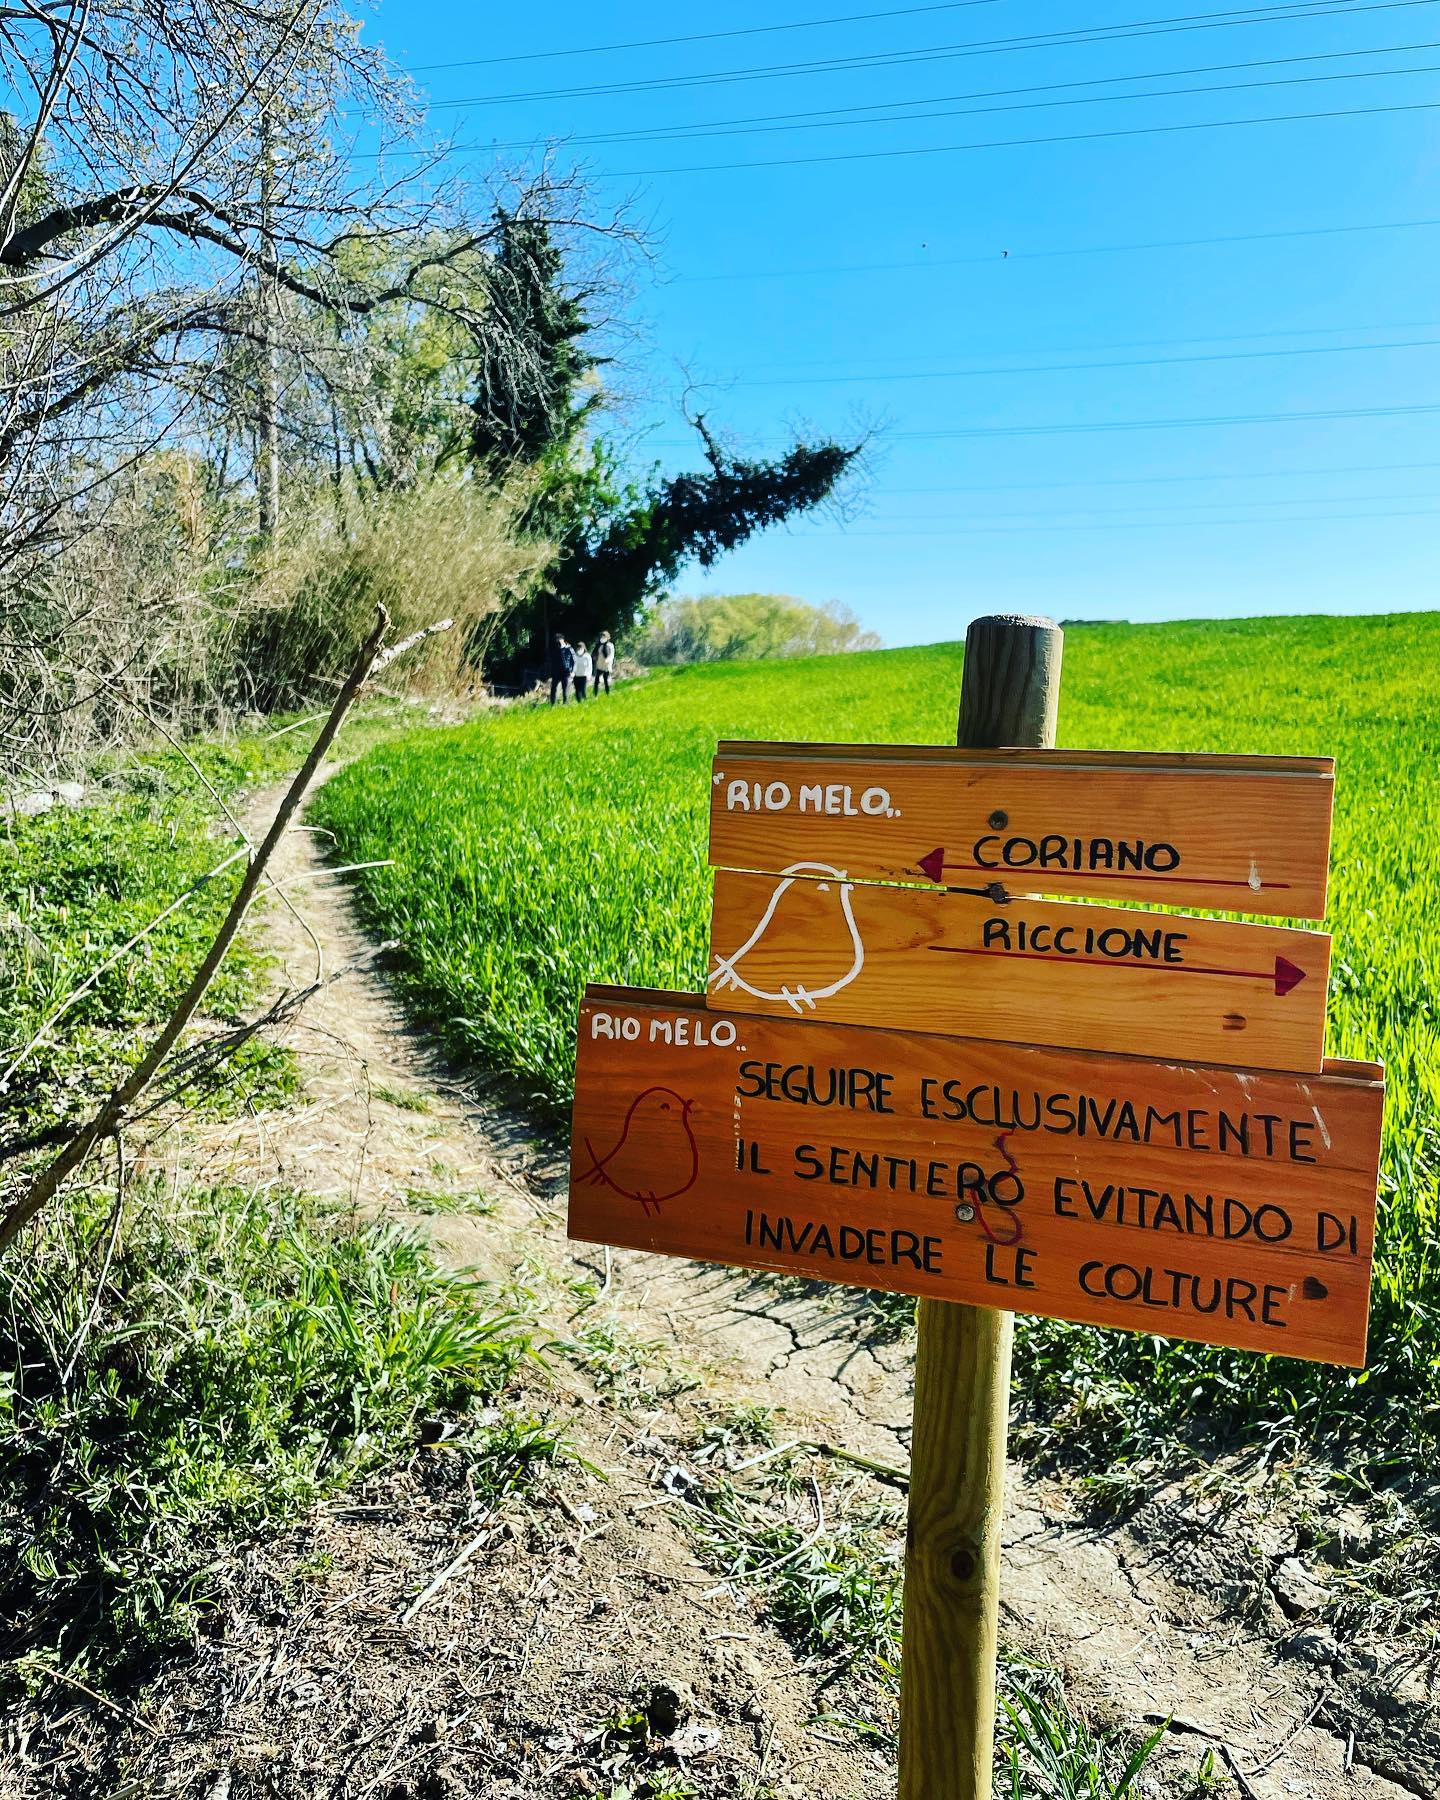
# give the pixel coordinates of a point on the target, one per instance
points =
(1009, 697)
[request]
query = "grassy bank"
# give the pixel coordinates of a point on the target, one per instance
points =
(188, 1370)
(537, 849)
(181, 1367)
(147, 859)
(107, 907)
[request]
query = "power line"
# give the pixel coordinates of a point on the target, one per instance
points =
(700, 37)
(1196, 506)
(1073, 137)
(1165, 343)
(1137, 362)
(1324, 518)
(994, 258)
(1187, 424)
(1039, 487)
(1167, 26)
(900, 112)
(1330, 414)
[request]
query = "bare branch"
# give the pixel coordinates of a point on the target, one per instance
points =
(111, 1114)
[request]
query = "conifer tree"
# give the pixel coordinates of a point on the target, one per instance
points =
(619, 544)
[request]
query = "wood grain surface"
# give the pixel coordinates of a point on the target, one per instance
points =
(1031, 971)
(1228, 1206)
(1010, 694)
(1228, 834)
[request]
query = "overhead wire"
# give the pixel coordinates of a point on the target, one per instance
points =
(1072, 137)
(1325, 518)
(1165, 343)
(899, 112)
(1204, 421)
(1191, 506)
(699, 37)
(1033, 487)
(1169, 25)
(995, 257)
(1056, 368)
(1105, 426)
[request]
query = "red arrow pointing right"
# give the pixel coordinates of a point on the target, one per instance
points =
(1287, 975)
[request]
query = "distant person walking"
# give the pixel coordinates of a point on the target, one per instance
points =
(604, 661)
(562, 667)
(583, 666)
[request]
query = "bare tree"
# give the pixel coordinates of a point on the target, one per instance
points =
(200, 244)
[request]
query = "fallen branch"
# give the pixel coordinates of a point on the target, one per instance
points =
(886, 1471)
(109, 1117)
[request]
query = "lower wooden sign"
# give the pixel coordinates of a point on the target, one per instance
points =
(1219, 1204)
(811, 944)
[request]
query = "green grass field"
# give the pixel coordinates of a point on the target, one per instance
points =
(536, 849)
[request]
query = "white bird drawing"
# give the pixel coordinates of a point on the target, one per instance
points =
(727, 973)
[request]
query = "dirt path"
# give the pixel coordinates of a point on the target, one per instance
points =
(1168, 1616)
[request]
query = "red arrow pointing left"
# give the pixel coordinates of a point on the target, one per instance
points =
(933, 866)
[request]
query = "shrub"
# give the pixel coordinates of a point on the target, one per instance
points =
(442, 550)
(732, 627)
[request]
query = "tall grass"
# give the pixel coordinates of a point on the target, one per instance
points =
(198, 1369)
(537, 850)
(139, 863)
(165, 611)
(442, 550)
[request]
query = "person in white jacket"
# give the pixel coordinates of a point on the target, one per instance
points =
(581, 675)
(604, 661)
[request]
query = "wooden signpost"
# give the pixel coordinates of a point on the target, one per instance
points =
(911, 1071)
(1215, 1204)
(809, 944)
(1230, 833)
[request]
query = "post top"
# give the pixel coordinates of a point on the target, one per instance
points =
(1036, 621)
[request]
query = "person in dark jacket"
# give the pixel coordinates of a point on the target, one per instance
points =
(562, 667)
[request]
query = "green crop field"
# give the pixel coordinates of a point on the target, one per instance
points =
(536, 849)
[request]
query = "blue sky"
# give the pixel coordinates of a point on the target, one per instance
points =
(874, 285)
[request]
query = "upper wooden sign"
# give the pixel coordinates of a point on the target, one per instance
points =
(1228, 833)
(809, 945)
(1198, 1202)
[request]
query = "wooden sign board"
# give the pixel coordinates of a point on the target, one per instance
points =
(1227, 833)
(1188, 1201)
(808, 945)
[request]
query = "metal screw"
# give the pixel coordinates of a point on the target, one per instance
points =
(999, 820)
(964, 1212)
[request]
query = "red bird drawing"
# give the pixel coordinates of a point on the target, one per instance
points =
(655, 1157)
